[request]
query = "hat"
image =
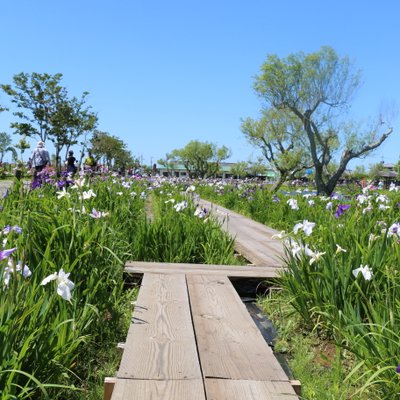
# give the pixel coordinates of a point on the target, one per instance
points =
(40, 144)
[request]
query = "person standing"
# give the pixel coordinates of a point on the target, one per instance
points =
(90, 162)
(40, 159)
(70, 163)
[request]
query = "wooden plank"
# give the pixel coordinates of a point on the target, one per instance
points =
(225, 389)
(140, 267)
(252, 239)
(109, 383)
(229, 343)
(160, 342)
(131, 389)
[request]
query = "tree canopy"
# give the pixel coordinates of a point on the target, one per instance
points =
(112, 150)
(201, 159)
(279, 136)
(46, 111)
(316, 89)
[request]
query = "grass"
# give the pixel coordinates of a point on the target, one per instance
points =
(316, 361)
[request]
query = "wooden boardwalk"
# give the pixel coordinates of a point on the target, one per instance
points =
(254, 241)
(191, 336)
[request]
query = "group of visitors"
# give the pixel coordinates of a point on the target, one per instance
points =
(41, 158)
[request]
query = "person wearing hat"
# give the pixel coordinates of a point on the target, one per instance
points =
(70, 163)
(40, 158)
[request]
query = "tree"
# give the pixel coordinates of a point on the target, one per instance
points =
(22, 145)
(239, 169)
(258, 167)
(70, 121)
(375, 170)
(278, 134)
(46, 111)
(5, 146)
(36, 97)
(168, 162)
(316, 88)
(201, 159)
(112, 150)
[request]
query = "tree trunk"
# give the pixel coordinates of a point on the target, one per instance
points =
(280, 182)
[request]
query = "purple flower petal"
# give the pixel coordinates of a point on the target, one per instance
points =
(5, 253)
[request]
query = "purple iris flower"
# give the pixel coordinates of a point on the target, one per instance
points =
(60, 184)
(5, 193)
(276, 199)
(5, 253)
(398, 369)
(341, 208)
(17, 229)
(36, 184)
(8, 228)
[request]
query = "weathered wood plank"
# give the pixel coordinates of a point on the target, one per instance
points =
(252, 239)
(226, 389)
(132, 389)
(160, 342)
(229, 343)
(141, 267)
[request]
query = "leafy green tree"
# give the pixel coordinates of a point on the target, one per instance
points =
(279, 135)
(22, 145)
(240, 169)
(316, 88)
(359, 172)
(46, 111)
(112, 150)
(71, 120)
(5, 146)
(36, 97)
(168, 162)
(375, 170)
(201, 159)
(258, 167)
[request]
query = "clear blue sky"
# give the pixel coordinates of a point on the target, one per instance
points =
(161, 73)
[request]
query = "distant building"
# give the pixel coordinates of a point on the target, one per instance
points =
(179, 171)
(388, 172)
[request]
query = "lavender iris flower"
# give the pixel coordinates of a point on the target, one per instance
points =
(5, 253)
(341, 208)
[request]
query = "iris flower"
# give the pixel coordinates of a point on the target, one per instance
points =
(88, 194)
(64, 285)
(98, 214)
(341, 208)
(62, 193)
(340, 249)
(365, 271)
(180, 206)
(6, 253)
(293, 204)
(306, 226)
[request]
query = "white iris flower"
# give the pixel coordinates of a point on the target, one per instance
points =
(64, 285)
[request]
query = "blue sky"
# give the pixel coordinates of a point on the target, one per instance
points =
(161, 73)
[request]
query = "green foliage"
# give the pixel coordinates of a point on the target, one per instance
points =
(50, 347)
(315, 89)
(112, 149)
(358, 313)
(279, 135)
(201, 159)
(46, 111)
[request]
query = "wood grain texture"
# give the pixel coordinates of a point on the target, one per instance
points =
(130, 389)
(224, 389)
(229, 343)
(252, 239)
(160, 342)
(141, 267)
